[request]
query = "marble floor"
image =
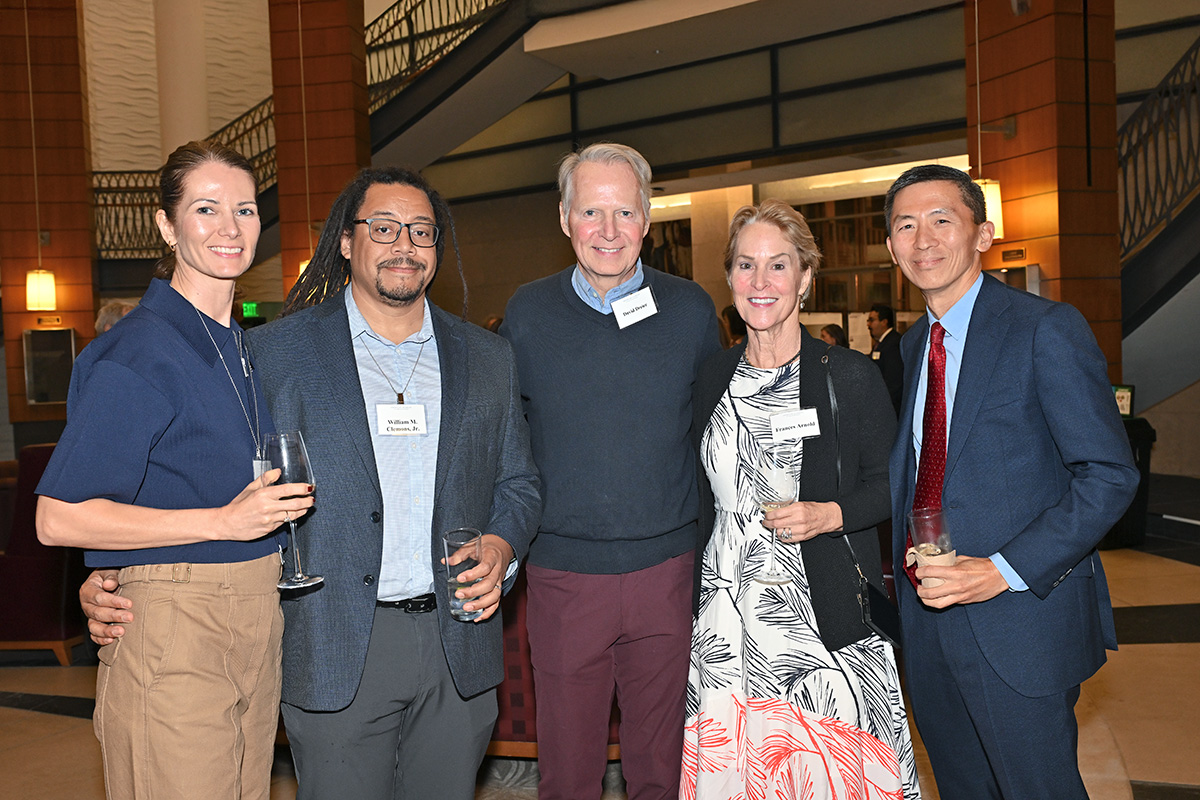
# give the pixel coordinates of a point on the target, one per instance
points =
(1139, 716)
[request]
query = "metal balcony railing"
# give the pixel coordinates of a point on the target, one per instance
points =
(413, 35)
(402, 43)
(125, 204)
(1158, 152)
(126, 201)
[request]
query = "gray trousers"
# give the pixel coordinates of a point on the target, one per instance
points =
(407, 735)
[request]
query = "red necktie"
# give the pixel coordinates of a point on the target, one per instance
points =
(933, 436)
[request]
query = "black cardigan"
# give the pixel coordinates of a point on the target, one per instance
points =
(866, 430)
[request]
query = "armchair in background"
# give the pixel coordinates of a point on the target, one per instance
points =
(46, 579)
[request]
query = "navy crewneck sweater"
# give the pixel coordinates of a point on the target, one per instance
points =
(609, 418)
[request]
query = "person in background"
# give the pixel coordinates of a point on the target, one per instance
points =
(111, 313)
(833, 334)
(790, 693)
(734, 329)
(187, 707)
(885, 350)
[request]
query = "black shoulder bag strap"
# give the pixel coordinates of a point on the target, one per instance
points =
(878, 612)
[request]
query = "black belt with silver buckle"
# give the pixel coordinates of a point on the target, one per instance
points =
(411, 605)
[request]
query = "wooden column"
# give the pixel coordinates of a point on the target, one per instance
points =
(55, 200)
(322, 134)
(1050, 73)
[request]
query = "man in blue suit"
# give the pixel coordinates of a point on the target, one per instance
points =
(1024, 451)
(384, 693)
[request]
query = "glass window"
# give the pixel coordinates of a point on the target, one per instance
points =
(874, 51)
(700, 86)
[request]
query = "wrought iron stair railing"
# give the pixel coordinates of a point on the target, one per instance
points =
(1158, 152)
(413, 35)
(402, 43)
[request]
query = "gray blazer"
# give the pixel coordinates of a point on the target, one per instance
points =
(485, 479)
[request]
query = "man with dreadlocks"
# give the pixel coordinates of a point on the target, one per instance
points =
(380, 684)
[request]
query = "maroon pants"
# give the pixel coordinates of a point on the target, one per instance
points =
(590, 635)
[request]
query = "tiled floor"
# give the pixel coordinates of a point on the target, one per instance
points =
(1139, 716)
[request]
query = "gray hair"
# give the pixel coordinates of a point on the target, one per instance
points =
(604, 153)
(111, 313)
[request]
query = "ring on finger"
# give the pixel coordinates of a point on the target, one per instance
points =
(287, 517)
(787, 533)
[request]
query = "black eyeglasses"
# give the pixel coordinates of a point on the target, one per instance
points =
(386, 231)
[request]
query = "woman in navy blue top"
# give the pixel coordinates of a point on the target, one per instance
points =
(160, 472)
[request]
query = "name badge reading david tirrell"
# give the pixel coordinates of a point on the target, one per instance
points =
(634, 307)
(792, 426)
(394, 419)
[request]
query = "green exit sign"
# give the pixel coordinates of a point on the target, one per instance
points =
(249, 309)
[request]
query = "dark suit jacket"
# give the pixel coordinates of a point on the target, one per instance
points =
(891, 365)
(865, 432)
(485, 479)
(1038, 468)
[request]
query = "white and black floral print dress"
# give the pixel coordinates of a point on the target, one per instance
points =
(771, 712)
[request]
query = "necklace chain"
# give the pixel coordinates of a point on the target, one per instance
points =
(392, 386)
(746, 358)
(253, 395)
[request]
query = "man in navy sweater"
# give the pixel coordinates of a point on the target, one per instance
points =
(607, 351)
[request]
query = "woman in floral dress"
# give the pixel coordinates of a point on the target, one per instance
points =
(790, 694)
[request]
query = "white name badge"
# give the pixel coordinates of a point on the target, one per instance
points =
(791, 426)
(395, 419)
(875, 355)
(260, 466)
(634, 307)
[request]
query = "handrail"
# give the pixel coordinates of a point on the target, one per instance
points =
(402, 43)
(1158, 153)
(125, 203)
(412, 35)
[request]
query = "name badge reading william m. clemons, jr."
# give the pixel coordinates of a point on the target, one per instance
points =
(393, 419)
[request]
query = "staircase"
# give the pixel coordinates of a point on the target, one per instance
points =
(1159, 194)
(403, 44)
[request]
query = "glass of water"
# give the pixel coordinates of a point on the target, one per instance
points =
(465, 545)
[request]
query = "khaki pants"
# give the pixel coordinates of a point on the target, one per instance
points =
(187, 702)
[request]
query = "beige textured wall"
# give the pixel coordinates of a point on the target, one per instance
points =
(237, 37)
(1177, 423)
(122, 85)
(122, 75)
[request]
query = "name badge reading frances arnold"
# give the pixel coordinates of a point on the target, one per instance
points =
(393, 419)
(634, 307)
(792, 426)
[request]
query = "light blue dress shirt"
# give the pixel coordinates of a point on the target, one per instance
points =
(407, 465)
(956, 322)
(588, 294)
